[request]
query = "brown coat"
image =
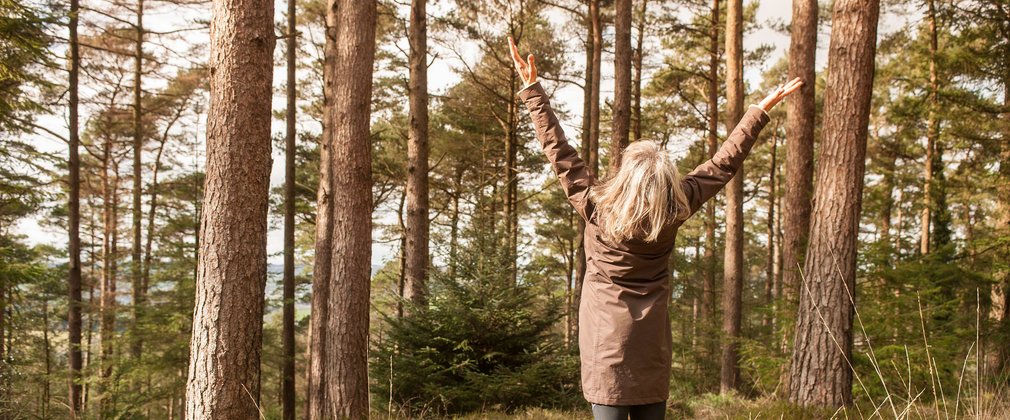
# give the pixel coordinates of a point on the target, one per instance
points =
(624, 328)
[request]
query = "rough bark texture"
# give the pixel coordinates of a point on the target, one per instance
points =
(416, 252)
(707, 313)
(800, 123)
(733, 254)
(346, 343)
(315, 371)
(288, 315)
(622, 83)
(224, 371)
(74, 224)
(820, 373)
(136, 345)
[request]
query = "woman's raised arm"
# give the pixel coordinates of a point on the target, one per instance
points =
(705, 181)
(570, 168)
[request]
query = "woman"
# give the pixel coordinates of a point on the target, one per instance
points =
(631, 222)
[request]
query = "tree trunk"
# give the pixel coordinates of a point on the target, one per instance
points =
(402, 277)
(152, 208)
(800, 123)
(224, 371)
(1000, 291)
(352, 46)
(590, 141)
(315, 369)
(887, 185)
(596, 22)
(931, 164)
(820, 373)
(74, 224)
(733, 256)
(417, 158)
(47, 358)
(136, 345)
(107, 328)
(636, 83)
(512, 146)
(707, 314)
(770, 264)
(572, 309)
(290, 150)
(622, 83)
(314, 372)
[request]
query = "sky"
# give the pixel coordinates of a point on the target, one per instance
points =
(441, 77)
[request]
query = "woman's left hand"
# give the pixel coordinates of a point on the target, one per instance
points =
(780, 93)
(527, 70)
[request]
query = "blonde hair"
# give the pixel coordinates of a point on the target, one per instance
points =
(643, 197)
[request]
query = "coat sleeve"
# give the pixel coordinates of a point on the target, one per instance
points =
(705, 181)
(570, 168)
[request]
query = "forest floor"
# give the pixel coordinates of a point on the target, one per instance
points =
(721, 407)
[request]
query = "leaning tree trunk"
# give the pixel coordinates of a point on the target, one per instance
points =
(416, 252)
(800, 123)
(288, 312)
(820, 373)
(622, 83)
(74, 224)
(224, 371)
(345, 352)
(733, 256)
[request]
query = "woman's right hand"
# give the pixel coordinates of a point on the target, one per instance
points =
(780, 93)
(527, 70)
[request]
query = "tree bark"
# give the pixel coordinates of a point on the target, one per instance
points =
(416, 271)
(707, 313)
(290, 150)
(314, 372)
(352, 45)
(820, 373)
(224, 371)
(590, 142)
(1000, 291)
(622, 83)
(636, 84)
(47, 358)
(800, 123)
(770, 264)
(74, 223)
(110, 194)
(931, 164)
(136, 345)
(733, 255)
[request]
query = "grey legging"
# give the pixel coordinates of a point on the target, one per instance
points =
(654, 411)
